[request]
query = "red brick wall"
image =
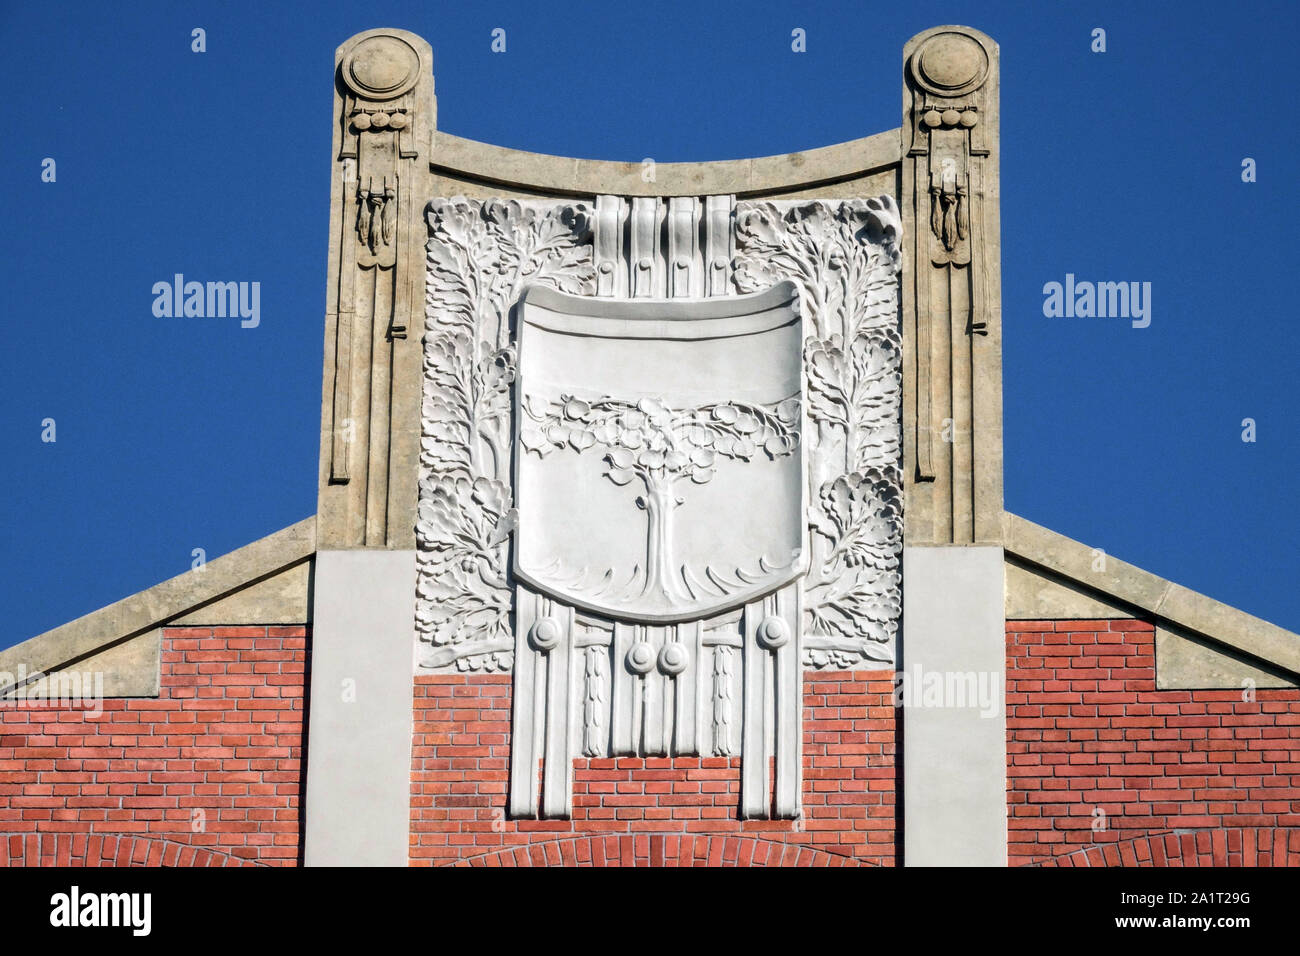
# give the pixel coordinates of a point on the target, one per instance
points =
(1087, 731)
(650, 811)
(224, 737)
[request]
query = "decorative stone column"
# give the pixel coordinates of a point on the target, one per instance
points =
(954, 762)
(359, 740)
(384, 112)
(952, 312)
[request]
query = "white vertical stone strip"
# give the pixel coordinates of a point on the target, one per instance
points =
(702, 662)
(754, 791)
(686, 697)
(523, 736)
(358, 799)
(684, 268)
(788, 703)
(607, 245)
(954, 756)
(625, 686)
(773, 705)
(644, 262)
(652, 715)
(557, 772)
(719, 243)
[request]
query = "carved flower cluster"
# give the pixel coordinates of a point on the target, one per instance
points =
(650, 439)
(461, 525)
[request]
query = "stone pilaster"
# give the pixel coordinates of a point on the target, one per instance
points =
(358, 776)
(952, 316)
(384, 116)
(954, 742)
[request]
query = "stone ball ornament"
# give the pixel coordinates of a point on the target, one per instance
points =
(641, 658)
(673, 659)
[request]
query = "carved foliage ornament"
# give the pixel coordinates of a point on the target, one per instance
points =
(479, 257)
(844, 258)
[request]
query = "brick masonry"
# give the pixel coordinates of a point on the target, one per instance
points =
(206, 774)
(1103, 769)
(653, 811)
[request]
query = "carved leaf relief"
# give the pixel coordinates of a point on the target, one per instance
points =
(480, 254)
(844, 256)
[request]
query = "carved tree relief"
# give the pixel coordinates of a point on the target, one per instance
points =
(659, 445)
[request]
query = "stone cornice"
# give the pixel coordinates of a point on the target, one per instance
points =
(756, 177)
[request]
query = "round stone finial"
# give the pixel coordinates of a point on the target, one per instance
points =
(773, 632)
(951, 64)
(381, 67)
(672, 659)
(641, 658)
(545, 634)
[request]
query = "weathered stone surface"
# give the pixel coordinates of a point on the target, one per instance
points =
(1035, 594)
(385, 112)
(1188, 661)
(282, 598)
(952, 299)
(129, 668)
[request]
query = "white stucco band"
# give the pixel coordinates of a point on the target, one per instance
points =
(358, 759)
(953, 680)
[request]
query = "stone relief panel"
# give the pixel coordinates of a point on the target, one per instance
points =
(659, 472)
(660, 466)
(480, 256)
(844, 257)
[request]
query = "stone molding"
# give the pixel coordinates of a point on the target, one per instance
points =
(174, 599)
(758, 177)
(1150, 596)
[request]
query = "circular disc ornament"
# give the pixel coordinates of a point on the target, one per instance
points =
(950, 64)
(545, 633)
(381, 67)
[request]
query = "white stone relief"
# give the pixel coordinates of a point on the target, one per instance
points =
(480, 255)
(659, 445)
(659, 474)
(844, 256)
(652, 498)
(595, 705)
(722, 696)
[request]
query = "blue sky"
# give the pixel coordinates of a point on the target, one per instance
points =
(176, 434)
